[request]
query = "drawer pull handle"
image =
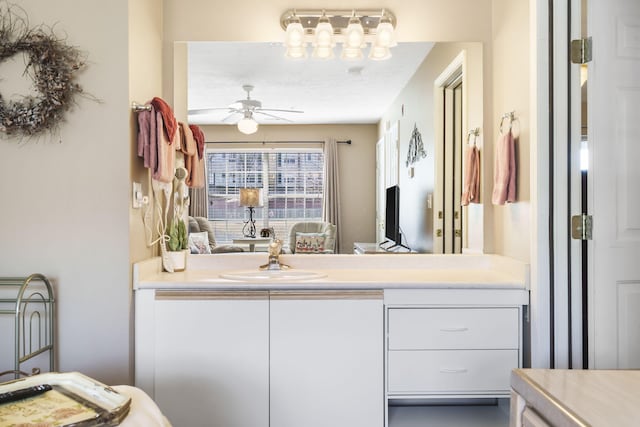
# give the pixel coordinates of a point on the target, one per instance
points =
(453, 370)
(454, 329)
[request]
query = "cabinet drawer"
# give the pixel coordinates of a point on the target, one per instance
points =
(451, 371)
(453, 328)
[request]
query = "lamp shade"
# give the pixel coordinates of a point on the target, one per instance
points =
(251, 197)
(295, 35)
(354, 34)
(384, 34)
(247, 125)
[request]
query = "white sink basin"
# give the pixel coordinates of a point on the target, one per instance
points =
(272, 275)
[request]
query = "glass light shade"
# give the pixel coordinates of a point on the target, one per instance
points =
(251, 197)
(323, 52)
(354, 34)
(384, 34)
(351, 53)
(247, 125)
(296, 52)
(295, 35)
(379, 53)
(323, 34)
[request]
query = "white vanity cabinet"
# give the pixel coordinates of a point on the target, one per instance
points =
(452, 343)
(262, 358)
(326, 359)
(204, 355)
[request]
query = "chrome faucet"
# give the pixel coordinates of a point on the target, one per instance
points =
(275, 247)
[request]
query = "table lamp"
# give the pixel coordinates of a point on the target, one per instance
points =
(250, 197)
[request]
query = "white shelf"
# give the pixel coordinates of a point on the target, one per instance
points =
(450, 416)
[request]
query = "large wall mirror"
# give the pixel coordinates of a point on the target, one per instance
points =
(434, 88)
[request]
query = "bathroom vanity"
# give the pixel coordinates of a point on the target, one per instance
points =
(336, 348)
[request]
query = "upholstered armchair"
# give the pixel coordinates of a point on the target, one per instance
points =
(312, 237)
(200, 225)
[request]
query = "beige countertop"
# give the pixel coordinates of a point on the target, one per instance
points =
(342, 272)
(568, 398)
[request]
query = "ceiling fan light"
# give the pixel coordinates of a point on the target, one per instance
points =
(247, 125)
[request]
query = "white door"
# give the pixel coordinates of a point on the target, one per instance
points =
(614, 184)
(326, 359)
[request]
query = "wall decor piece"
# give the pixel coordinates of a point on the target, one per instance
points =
(52, 66)
(416, 148)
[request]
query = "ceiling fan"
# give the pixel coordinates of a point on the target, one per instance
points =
(247, 108)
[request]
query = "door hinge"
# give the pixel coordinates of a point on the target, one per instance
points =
(581, 227)
(581, 50)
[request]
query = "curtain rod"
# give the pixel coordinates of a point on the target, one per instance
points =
(348, 142)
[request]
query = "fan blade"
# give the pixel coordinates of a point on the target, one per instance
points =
(207, 110)
(231, 114)
(279, 110)
(272, 116)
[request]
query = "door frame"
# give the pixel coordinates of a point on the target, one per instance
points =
(457, 66)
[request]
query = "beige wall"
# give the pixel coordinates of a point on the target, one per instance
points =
(415, 105)
(511, 222)
(66, 200)
(65, 197)
(357, 169)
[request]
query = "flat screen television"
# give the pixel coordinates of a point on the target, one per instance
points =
(392, 215)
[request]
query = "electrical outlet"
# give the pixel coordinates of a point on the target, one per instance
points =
(138, 197)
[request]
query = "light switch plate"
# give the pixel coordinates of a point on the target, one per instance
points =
(137, 195)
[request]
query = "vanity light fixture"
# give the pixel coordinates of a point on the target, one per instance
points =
(247, 124)
(354, 29)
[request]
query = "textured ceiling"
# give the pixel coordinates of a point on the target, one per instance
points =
(330, 91)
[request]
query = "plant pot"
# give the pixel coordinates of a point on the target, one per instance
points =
(178, 259)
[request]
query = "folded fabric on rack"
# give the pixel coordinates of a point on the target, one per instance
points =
(166, 153)
(471, 185)
(198, 135)
(504, 171)
(169, 119)
(147, 132)
(187, 142)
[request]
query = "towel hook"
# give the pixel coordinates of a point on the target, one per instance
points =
(511, 115)
(475, 132)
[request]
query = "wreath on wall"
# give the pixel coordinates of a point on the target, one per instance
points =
(52, 66)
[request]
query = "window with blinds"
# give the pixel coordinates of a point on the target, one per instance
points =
(292, 185)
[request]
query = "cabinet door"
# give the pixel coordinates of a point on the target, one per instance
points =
(212, 358)
(326, 359)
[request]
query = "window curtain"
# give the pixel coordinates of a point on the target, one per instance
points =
(331, 205)
(198, 197)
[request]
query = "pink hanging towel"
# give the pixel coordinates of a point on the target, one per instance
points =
(471, 189)
(504, 172)
(166, 153)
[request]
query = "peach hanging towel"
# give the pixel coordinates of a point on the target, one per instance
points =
(504, 172)
(471, 189)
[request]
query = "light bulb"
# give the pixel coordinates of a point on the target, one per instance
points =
(247, 125)
(354, 34)
(295, 35)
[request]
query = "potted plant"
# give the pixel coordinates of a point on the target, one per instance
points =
(177, 243)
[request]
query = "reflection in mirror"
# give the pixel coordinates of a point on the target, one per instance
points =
(374, 104)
